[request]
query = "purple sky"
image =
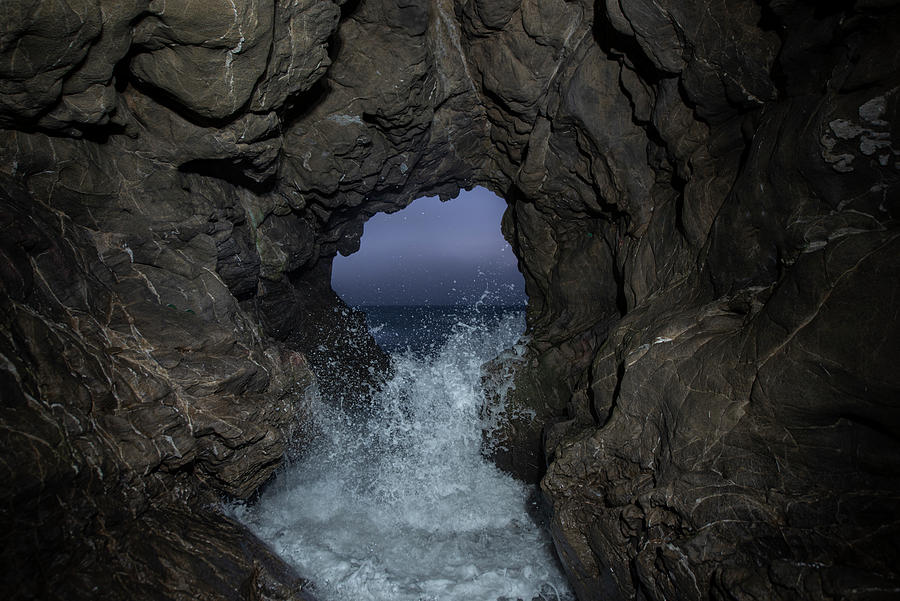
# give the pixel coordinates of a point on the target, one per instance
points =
(433, 253)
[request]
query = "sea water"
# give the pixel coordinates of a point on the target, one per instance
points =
(400, 504)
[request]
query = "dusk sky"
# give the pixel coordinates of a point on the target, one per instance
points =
(433, 253)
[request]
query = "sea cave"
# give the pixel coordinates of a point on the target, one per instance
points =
(700, 399)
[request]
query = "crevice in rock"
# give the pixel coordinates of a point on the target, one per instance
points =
(620, 375)
(349, 7)
(299, 106)
(618, 45)
(235, 171)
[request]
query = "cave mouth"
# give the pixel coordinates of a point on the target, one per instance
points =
(401, 502)
(423, 269)
(433, 253)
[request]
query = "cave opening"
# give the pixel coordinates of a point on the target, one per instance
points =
(400, 500)
(433, 253)
(422, 269)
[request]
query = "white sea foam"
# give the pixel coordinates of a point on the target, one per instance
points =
(403, 506)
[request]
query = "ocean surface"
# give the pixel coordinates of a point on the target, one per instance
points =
(425, 330)
(401, 505)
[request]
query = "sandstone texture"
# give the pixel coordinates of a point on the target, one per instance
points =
(703, 197)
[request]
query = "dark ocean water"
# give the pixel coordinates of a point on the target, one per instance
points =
(424, 330)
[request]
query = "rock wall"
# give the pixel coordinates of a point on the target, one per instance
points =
(702, 197)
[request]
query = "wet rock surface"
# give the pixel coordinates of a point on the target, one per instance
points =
(703, 198)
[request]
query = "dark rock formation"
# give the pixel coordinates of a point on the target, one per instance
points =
(703, 198)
